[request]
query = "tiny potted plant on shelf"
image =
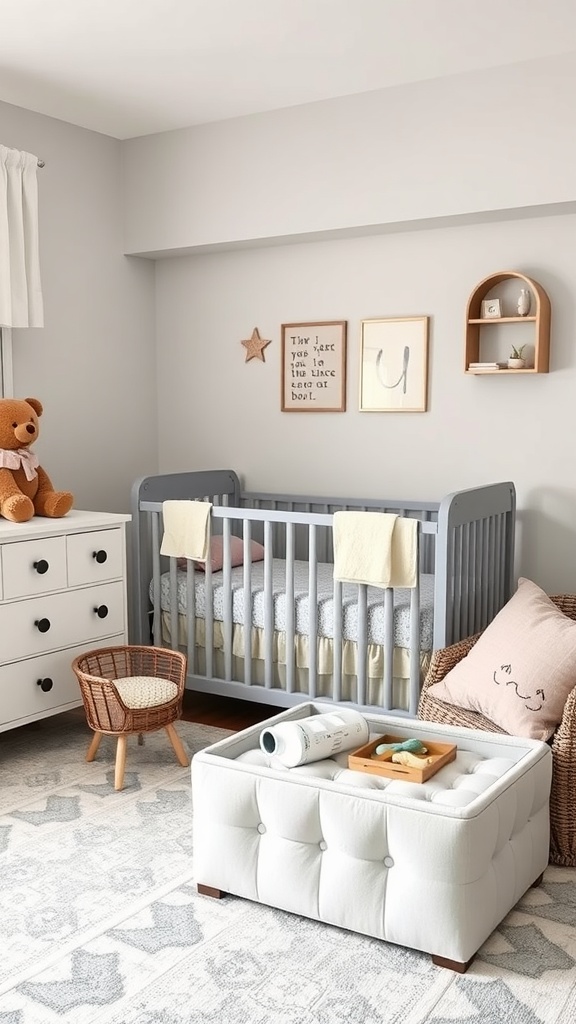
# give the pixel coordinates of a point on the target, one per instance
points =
(516, 360)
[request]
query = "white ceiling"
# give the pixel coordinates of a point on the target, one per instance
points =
(133, 67)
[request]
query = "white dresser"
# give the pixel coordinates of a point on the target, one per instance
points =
(62, 592)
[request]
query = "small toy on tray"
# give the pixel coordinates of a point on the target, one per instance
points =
(412, 746)
(396, 757)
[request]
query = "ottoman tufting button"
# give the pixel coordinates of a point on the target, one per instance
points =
(388, 862)
(323, 845)
(261, 828)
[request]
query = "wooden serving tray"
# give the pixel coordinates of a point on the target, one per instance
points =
(366, 760)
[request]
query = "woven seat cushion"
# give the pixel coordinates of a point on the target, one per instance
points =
(145, 691)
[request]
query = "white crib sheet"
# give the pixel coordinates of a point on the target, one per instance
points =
(325, 602)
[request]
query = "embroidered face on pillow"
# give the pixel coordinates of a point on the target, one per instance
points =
(521, 670)
(504, 676)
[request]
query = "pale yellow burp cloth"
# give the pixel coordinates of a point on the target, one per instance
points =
(376, 548)
(186, 529)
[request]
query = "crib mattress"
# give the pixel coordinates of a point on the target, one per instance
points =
(325, 594)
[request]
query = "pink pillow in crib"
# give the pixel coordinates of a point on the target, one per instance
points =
(217, 553)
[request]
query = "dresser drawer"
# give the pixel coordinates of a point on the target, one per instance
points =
(94, 556)
(33, 567)
(38, 686)
(61, 620)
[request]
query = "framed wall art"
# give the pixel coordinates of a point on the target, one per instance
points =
(394, 364)
(314, 367)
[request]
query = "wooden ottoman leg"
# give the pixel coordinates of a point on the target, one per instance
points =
(538, 881)
(93, 748)
(208, 890)
(120, 761)
(452, 965)
(177, 745)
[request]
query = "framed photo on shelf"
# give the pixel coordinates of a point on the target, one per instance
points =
(394, 364)
(491, 309)
(314, 366)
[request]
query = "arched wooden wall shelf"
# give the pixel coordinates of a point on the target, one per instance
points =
(539, 316)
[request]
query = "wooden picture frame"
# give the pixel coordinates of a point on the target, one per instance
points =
(314, 366)
(491, 309)
(394, 364)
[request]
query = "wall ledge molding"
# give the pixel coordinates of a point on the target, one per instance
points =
(364, 230)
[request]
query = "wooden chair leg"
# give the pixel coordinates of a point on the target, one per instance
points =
(120, 761)
(94, 744)
(177, 745)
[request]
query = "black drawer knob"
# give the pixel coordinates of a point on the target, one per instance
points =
(101, 611)
(42, 625)
(100, 556)
(41, 566)
(45, 684)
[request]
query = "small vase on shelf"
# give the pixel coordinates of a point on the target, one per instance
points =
(524, 302)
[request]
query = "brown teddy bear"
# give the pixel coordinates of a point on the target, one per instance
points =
(25, 488)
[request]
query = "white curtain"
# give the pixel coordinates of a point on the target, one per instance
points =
(20, 289)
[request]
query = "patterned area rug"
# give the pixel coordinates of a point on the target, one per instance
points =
(100, 920)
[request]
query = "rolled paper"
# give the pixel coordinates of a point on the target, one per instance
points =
(315, 737)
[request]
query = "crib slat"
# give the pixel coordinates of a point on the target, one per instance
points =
(191, 613)
(414, 685)
(209, 618)
(227, 599)
(485, 567)
(362, 654)
(173, 589)
(498, 561)
(156, 581)
(312, 613)
(457, 623)
(491, 547)
(268, 605)
(290, 624)
(247, 592)
(337, 643)
(388, 648)
(468, 543)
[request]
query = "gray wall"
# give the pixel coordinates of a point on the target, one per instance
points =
(388, 204)
(222, 412)
(467, 145)
(416, 194)
(93, 363)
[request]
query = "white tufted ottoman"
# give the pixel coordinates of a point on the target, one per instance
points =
(433, 866)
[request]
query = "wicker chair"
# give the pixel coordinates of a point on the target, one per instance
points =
(563, 741)
(128, 690)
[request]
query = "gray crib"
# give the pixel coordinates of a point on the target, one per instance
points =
(282, 630)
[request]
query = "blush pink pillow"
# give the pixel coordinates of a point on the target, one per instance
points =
(217, 553)
(522, 669)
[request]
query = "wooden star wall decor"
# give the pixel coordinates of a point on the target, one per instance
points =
(255, 346)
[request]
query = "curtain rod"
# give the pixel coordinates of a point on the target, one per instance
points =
(41, 163)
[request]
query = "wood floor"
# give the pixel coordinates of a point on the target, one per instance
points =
(225, 712)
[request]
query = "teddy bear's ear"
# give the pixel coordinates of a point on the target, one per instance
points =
(36, 405)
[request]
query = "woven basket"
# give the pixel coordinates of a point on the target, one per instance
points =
(563, 742)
